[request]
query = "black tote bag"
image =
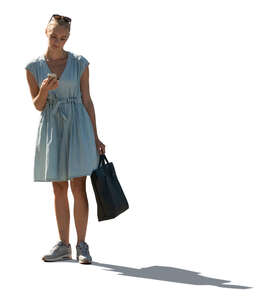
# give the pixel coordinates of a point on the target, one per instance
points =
(110, 198)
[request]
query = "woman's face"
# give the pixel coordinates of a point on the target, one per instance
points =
(57, 37)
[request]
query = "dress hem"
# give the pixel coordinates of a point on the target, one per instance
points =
(66, 179)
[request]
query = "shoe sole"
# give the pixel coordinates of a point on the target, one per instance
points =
(64, 257)
(86, 262)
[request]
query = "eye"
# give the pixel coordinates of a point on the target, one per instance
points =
(54, 37)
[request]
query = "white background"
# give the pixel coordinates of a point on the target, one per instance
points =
(177, 88)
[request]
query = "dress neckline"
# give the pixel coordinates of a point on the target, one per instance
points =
(67, 63)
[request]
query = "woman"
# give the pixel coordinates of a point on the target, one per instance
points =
(67, 145)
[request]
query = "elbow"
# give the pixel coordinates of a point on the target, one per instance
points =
(88, 103)
(38, 108)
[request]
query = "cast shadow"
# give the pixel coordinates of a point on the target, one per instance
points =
(168, 274)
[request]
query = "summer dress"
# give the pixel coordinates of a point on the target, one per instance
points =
(65, 144)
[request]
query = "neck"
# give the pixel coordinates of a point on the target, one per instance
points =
(55, 55)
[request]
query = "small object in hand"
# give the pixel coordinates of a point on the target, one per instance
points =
(52, 75)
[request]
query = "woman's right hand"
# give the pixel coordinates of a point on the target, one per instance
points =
(49, 84)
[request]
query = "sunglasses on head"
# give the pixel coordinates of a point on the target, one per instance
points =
(58, 17)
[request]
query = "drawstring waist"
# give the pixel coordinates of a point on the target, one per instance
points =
(56, 102)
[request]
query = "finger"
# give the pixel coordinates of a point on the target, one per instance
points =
(50, 82)
(50, 79)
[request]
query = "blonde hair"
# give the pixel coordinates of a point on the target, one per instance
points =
(54, 23)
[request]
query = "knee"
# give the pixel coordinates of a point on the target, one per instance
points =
(78, 185)
(60, 187)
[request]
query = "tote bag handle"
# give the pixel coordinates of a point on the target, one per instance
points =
(101, 160)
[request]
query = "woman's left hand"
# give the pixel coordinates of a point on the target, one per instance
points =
(100, 146)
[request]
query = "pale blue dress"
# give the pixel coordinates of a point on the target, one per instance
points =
(65, 143)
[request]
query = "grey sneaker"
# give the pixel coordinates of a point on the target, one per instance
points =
(82, 253)
(59, 252)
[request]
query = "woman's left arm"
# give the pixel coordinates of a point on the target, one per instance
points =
(88, 103)
(86, 98)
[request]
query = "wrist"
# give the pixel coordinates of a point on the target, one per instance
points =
(44, 91)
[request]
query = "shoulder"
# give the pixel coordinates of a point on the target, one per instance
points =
(81, 59)
(32, 64)
(81, 62)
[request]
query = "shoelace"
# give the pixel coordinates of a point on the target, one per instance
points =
(60, 243)
(83, 247)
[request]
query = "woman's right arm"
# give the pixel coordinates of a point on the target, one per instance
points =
(40, 94)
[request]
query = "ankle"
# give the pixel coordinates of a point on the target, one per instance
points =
(78, 242)
(66, 243)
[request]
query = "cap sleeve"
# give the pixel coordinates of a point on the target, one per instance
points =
(83, 63)
(31, 66)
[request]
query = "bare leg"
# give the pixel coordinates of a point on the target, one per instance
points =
(60, 189)
(81, 206)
